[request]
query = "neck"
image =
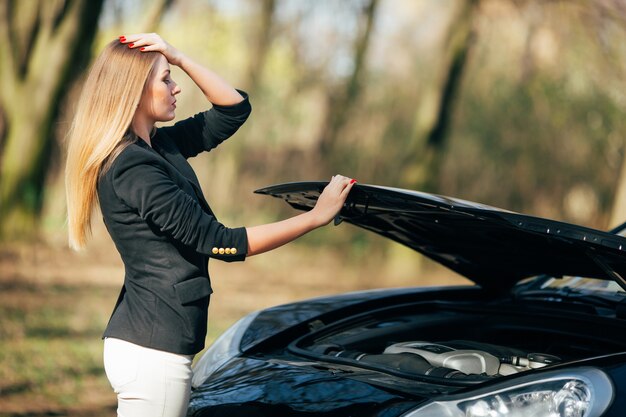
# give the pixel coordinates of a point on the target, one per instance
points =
(142, 129)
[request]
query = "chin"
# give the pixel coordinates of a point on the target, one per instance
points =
(169, 117)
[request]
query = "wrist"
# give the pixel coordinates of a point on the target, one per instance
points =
(177, 59)
(314, 219)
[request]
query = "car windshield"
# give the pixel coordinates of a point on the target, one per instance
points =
(578, 283)
(581, 283)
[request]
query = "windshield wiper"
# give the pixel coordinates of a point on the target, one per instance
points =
(567, 294)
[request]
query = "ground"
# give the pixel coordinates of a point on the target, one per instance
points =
(54, 304)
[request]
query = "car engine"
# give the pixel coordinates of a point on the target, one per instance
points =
(458, 359)
(460, 356)
(468, 342)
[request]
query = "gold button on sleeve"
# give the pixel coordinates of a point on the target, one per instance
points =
(215, 251)
(233, 251)
(221, 250)
(227, 251)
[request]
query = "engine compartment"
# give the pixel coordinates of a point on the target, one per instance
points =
(459, 342)
(459, 359)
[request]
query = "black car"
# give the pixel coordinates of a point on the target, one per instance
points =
(543, 333)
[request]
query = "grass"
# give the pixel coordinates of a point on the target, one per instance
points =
(50, 349)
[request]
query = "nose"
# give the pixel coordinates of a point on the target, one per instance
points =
(176, 89)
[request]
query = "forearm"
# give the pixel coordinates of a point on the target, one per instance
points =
(270, 236)
(215, 89)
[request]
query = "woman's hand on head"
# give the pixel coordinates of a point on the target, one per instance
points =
(149, 42)
(332, 198)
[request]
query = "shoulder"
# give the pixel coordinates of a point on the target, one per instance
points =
(132, 155)
(135, 171)
(134, 161)
(163, 139)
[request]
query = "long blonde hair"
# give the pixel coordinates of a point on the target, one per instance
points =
(101, 129)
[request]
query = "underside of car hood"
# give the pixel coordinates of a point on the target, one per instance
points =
(494, 248)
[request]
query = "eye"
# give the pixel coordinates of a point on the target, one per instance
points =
(167, 81)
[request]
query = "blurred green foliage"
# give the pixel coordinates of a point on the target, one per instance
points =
(536, 125)
(536, 121)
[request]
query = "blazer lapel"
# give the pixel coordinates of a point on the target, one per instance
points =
(171, 154)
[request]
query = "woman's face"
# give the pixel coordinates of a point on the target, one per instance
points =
(158, 102)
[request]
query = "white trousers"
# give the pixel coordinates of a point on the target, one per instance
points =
(148, 382)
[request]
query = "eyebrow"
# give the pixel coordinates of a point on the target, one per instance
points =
(167, 71)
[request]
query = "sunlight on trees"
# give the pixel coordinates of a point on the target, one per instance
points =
(512, 103)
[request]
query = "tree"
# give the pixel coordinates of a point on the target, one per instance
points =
(43, 44)
(340, 99)
(260, 44)
(614, 11)
(434, 112)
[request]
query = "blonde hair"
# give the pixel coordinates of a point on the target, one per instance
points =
(101, 129)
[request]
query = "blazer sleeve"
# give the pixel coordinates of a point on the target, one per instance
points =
(206, 130)
(141, 181)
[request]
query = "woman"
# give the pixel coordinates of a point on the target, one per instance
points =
(156, 214)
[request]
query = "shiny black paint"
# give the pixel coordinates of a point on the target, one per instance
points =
(271, 322)
(617, 372)
(493, 247)
(253, 387)
(249, 386)
(275, 319)
(270, 382)
(256, 387)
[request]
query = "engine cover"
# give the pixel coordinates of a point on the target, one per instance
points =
(473, 361)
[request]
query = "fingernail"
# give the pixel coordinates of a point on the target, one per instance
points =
(130, 45)
(352, 181)
(122, 38)
(141, 49)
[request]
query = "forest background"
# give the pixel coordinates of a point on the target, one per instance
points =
(518, 104)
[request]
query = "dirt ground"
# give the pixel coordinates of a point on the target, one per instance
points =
(54, 304)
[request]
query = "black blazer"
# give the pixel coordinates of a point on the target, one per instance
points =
(165, 232)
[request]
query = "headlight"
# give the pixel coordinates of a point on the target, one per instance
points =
(221, 351)
(585, 392)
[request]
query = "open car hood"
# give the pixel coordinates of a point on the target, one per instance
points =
(494, 248)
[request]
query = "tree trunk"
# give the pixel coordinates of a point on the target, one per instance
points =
(340, 100)
(21, 173)
(227, 166)
(618, 212)
(424, 155)
(154, 14)
(615, 10)
(261, 43)
(42, 45)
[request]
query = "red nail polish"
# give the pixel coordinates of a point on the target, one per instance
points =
(352, 181)
(130, 45)
(141, 49)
